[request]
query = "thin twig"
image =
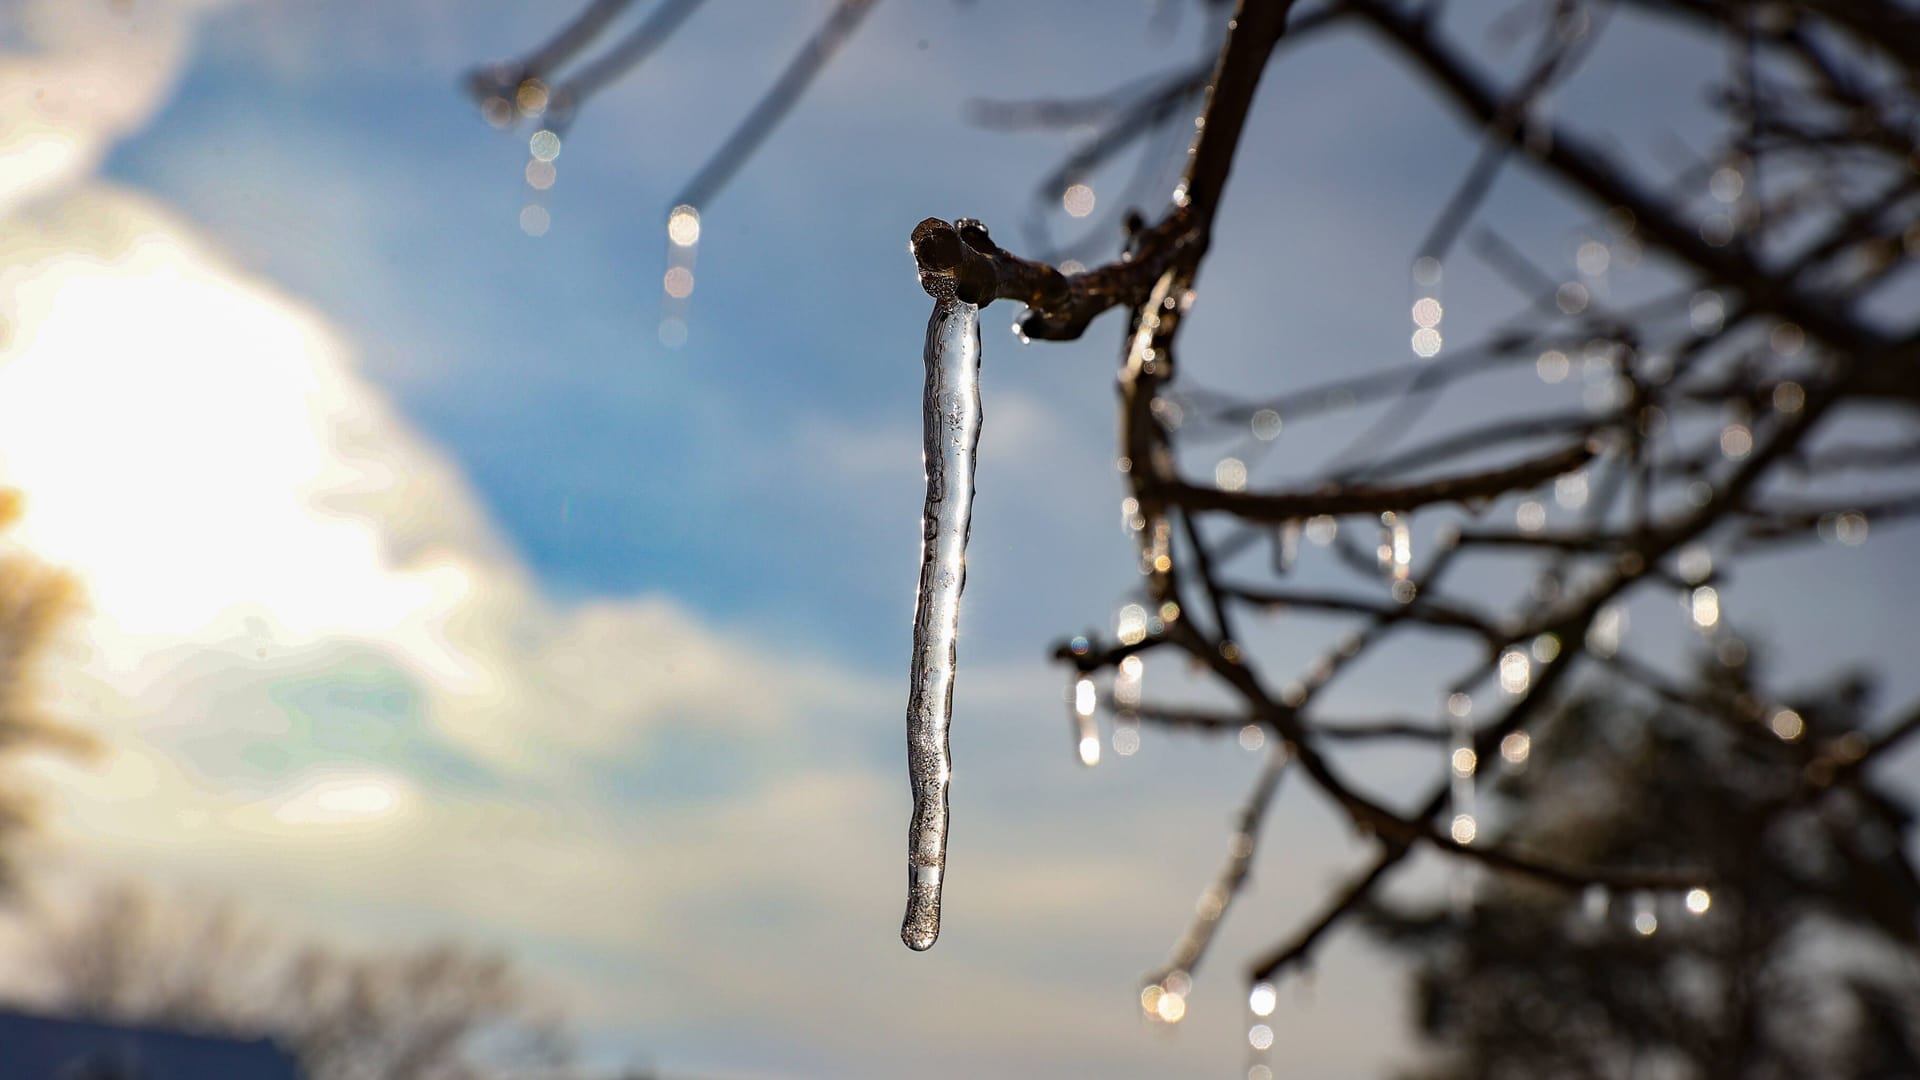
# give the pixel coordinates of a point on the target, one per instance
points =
(1213, 904)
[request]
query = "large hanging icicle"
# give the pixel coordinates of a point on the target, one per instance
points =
(952, 419)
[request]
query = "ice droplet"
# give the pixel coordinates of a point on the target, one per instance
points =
(952, 425)
(683, 226)
(1646, 921)
(1262, 999)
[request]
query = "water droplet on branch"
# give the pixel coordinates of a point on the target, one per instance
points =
(531, 97)
(1516, 672)
(683, 226)
(1266, 425)
(1704, 604)
(1078, 200)
(1262, 999)
(1515, 747)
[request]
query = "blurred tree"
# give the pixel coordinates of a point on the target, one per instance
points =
(36, 603)
(433, 1012)
(439, 1012)
(1801, 964)
(1741, 319)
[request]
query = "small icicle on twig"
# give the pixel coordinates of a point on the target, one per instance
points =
(952, 420)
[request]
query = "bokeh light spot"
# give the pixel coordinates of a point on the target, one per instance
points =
(1262, 999)
(683, 226)
(1266, 425)
(1516, 747)
(1427, 312)
(1464, 828)
(1230, 474)
(1571, 298)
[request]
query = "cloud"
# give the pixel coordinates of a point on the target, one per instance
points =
(206, 457)
(91, 73)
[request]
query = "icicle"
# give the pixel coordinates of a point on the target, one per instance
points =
(1603, 634)
(1126, 682)
(1126, 700)
(1286, 546)
(1156, 552)
(1396, 555)
(952, 419)
(1086, 730)
(1462, 764)
(1646, 920)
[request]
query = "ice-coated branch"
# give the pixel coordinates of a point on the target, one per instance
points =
(1847, 758)
(1590, 170)
(778, 100)
(952, 421)
(1060, 305)
(1378, 498)
(1355, 893)
(1432, 614)
(1219, 896)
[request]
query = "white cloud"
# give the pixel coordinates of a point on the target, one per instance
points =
(92, 72)
(200, 450)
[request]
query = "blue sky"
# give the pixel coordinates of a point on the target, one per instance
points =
(626, 626)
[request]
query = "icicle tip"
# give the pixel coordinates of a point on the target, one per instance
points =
(921, 928)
